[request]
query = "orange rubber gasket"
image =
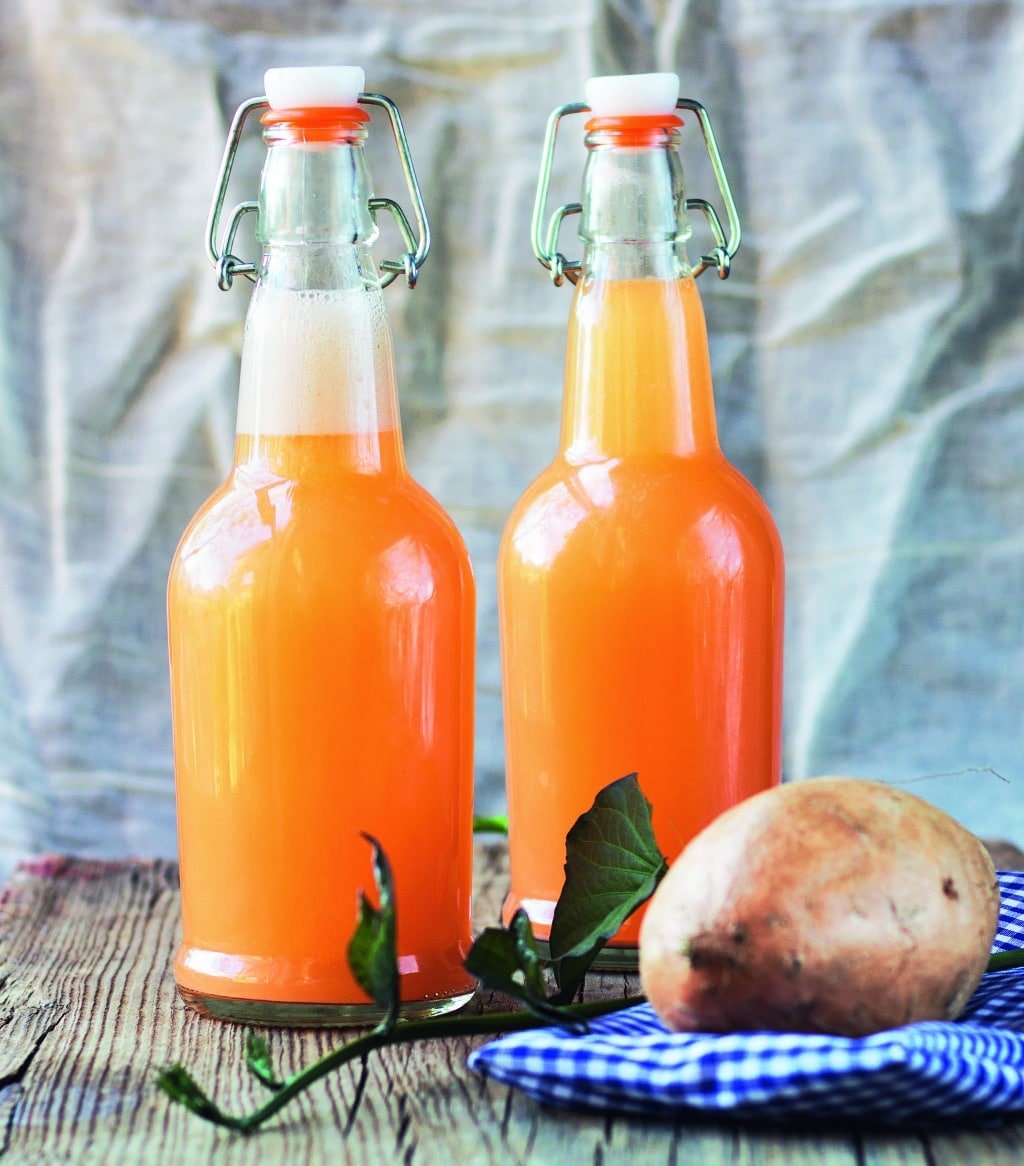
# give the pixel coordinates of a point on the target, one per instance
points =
(638, 130)
(319, 124)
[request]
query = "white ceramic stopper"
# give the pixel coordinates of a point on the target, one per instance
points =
(633, 94)
(314, 87)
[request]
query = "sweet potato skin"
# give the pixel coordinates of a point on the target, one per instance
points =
(831, 905)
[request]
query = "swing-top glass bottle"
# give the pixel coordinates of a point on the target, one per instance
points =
(640, 575)
(321, 621)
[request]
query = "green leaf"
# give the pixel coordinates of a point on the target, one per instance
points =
(257, 1057)
(372, 950)
(506, 960)
(612, 866)
(490, 824)
(177, 1082)
(526, 953)
(570, 970)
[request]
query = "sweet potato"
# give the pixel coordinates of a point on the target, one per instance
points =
(833, 905)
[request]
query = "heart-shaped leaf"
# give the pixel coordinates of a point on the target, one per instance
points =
(506, 960)
(612, 866)
(372, 950)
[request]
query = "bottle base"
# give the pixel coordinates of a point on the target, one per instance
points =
(611, 958)
(281, 1014)
(608, 959)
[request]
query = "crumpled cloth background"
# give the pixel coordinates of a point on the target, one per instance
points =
(868, 351)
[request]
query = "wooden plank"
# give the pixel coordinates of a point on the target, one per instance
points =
(1003, 1147)
(88, 1011)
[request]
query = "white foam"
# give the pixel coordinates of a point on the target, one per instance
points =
(314, 87)
(633, 94)
(316, 362)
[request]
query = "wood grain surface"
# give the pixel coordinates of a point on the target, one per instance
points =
(88, 1011)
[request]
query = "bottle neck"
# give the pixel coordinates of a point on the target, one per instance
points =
(317, 392)
(637, 370)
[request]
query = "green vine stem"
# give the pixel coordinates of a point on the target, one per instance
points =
(1001, 961)
(178, 1084)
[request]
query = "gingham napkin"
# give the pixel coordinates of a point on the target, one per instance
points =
(972, 1068)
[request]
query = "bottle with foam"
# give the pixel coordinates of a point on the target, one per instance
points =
(640, 575)
(321, 627)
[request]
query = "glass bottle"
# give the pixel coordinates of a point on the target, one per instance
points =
(321, 626)
(640, 575)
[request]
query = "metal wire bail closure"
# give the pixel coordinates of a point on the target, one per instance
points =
(228, 265)
(545, 237)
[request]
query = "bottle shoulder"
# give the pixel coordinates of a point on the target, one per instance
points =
(647, 506)
(264, 522)
(610, 484)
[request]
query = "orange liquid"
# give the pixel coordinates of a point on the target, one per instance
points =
(641, 585)
(321, 639)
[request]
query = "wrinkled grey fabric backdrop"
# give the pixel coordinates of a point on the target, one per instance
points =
(868, 351)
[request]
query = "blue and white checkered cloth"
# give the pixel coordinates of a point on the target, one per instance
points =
(970, 1069)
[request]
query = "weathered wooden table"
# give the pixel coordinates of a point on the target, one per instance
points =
(88, 1011)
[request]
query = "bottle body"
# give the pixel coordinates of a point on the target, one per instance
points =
(640, 589)
(321, 651)
(321, 627)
